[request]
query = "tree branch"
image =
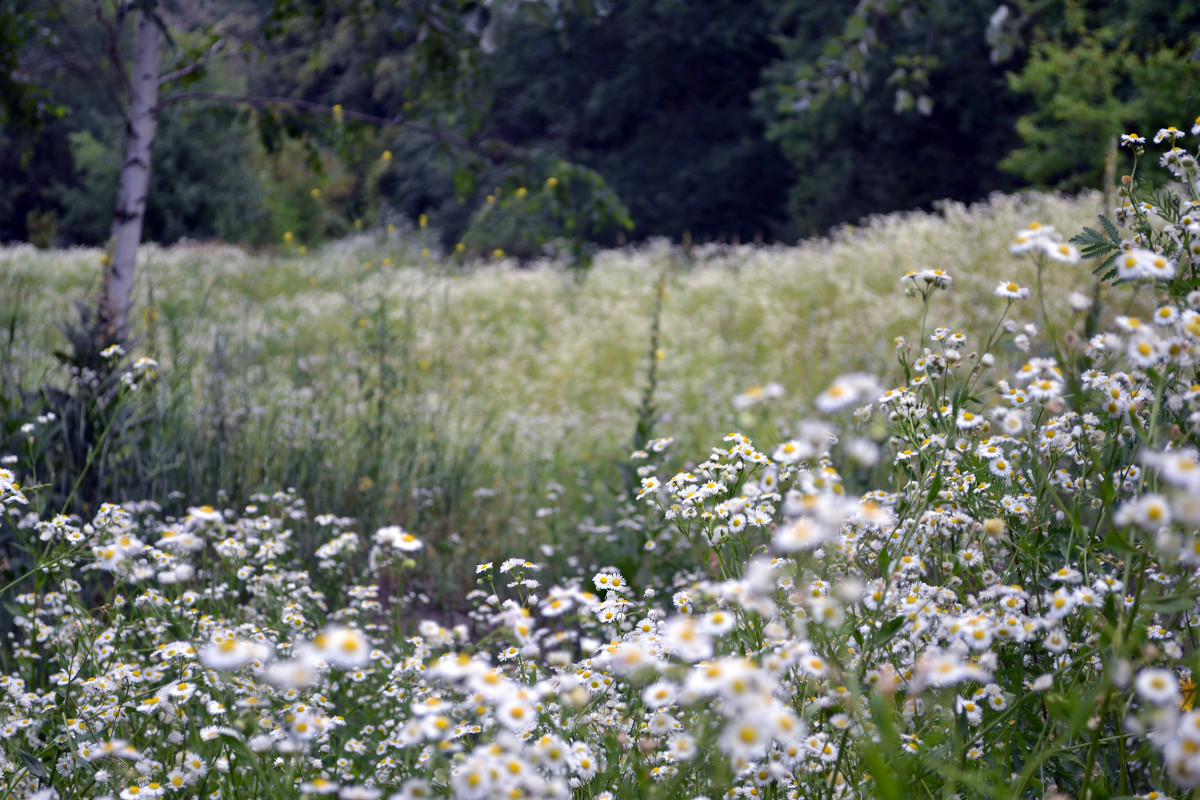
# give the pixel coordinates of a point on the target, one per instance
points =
(194, 66)
(493, 149)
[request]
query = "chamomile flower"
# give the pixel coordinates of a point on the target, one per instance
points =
(1149, 512)
(1011, 290)
(1168, 134)
(342, 647)
(1158, 686)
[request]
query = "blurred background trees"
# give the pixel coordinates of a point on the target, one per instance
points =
(718, 119)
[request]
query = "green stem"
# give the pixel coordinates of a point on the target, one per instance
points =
(1091, 756)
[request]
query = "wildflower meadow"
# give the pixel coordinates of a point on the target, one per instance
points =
(944, 544)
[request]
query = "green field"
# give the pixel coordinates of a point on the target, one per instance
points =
(366, 360)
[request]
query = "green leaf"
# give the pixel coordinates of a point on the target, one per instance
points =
(934, 487)
(34, 765)
(875, 754)
(886, 785)
(887, 632)
(1172, 602)
(1093, 244)
(239, 747)
(1072, 710)
(1107, 265)
(1110, 229)
(1116, 540)
(856, 26)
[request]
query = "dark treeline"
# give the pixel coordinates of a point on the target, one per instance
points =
(719, 119)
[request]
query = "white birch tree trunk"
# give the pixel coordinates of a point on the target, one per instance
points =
(116, 289)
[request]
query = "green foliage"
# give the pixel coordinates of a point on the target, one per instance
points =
(1087, 93)
(655, 97)
(202, 186)
(90, 439)
(310, 197)
(1164, 237)
(24, 105)
(718, 120)
(914, 116)
(42, 227)
(88, 204)
(1103, 247)
(573, 205)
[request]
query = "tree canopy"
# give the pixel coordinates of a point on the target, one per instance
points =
(767, 119)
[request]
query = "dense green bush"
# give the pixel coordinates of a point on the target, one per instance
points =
(873, 148)
(1086, 95)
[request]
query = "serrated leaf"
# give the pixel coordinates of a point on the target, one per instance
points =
(1107, 264)
(1086, 237)
(1092, 244)
(1111, 229)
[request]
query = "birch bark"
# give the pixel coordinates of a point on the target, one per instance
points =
(116, 288)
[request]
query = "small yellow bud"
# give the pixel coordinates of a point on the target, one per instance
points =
(339, 114)
(497, 253)
(302, 249)
(315, 192)
(422, 220)
(288, 237)
(387, 156)
(521, 192)
(551, 182)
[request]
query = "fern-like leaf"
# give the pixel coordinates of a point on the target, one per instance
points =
(1113, 234)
